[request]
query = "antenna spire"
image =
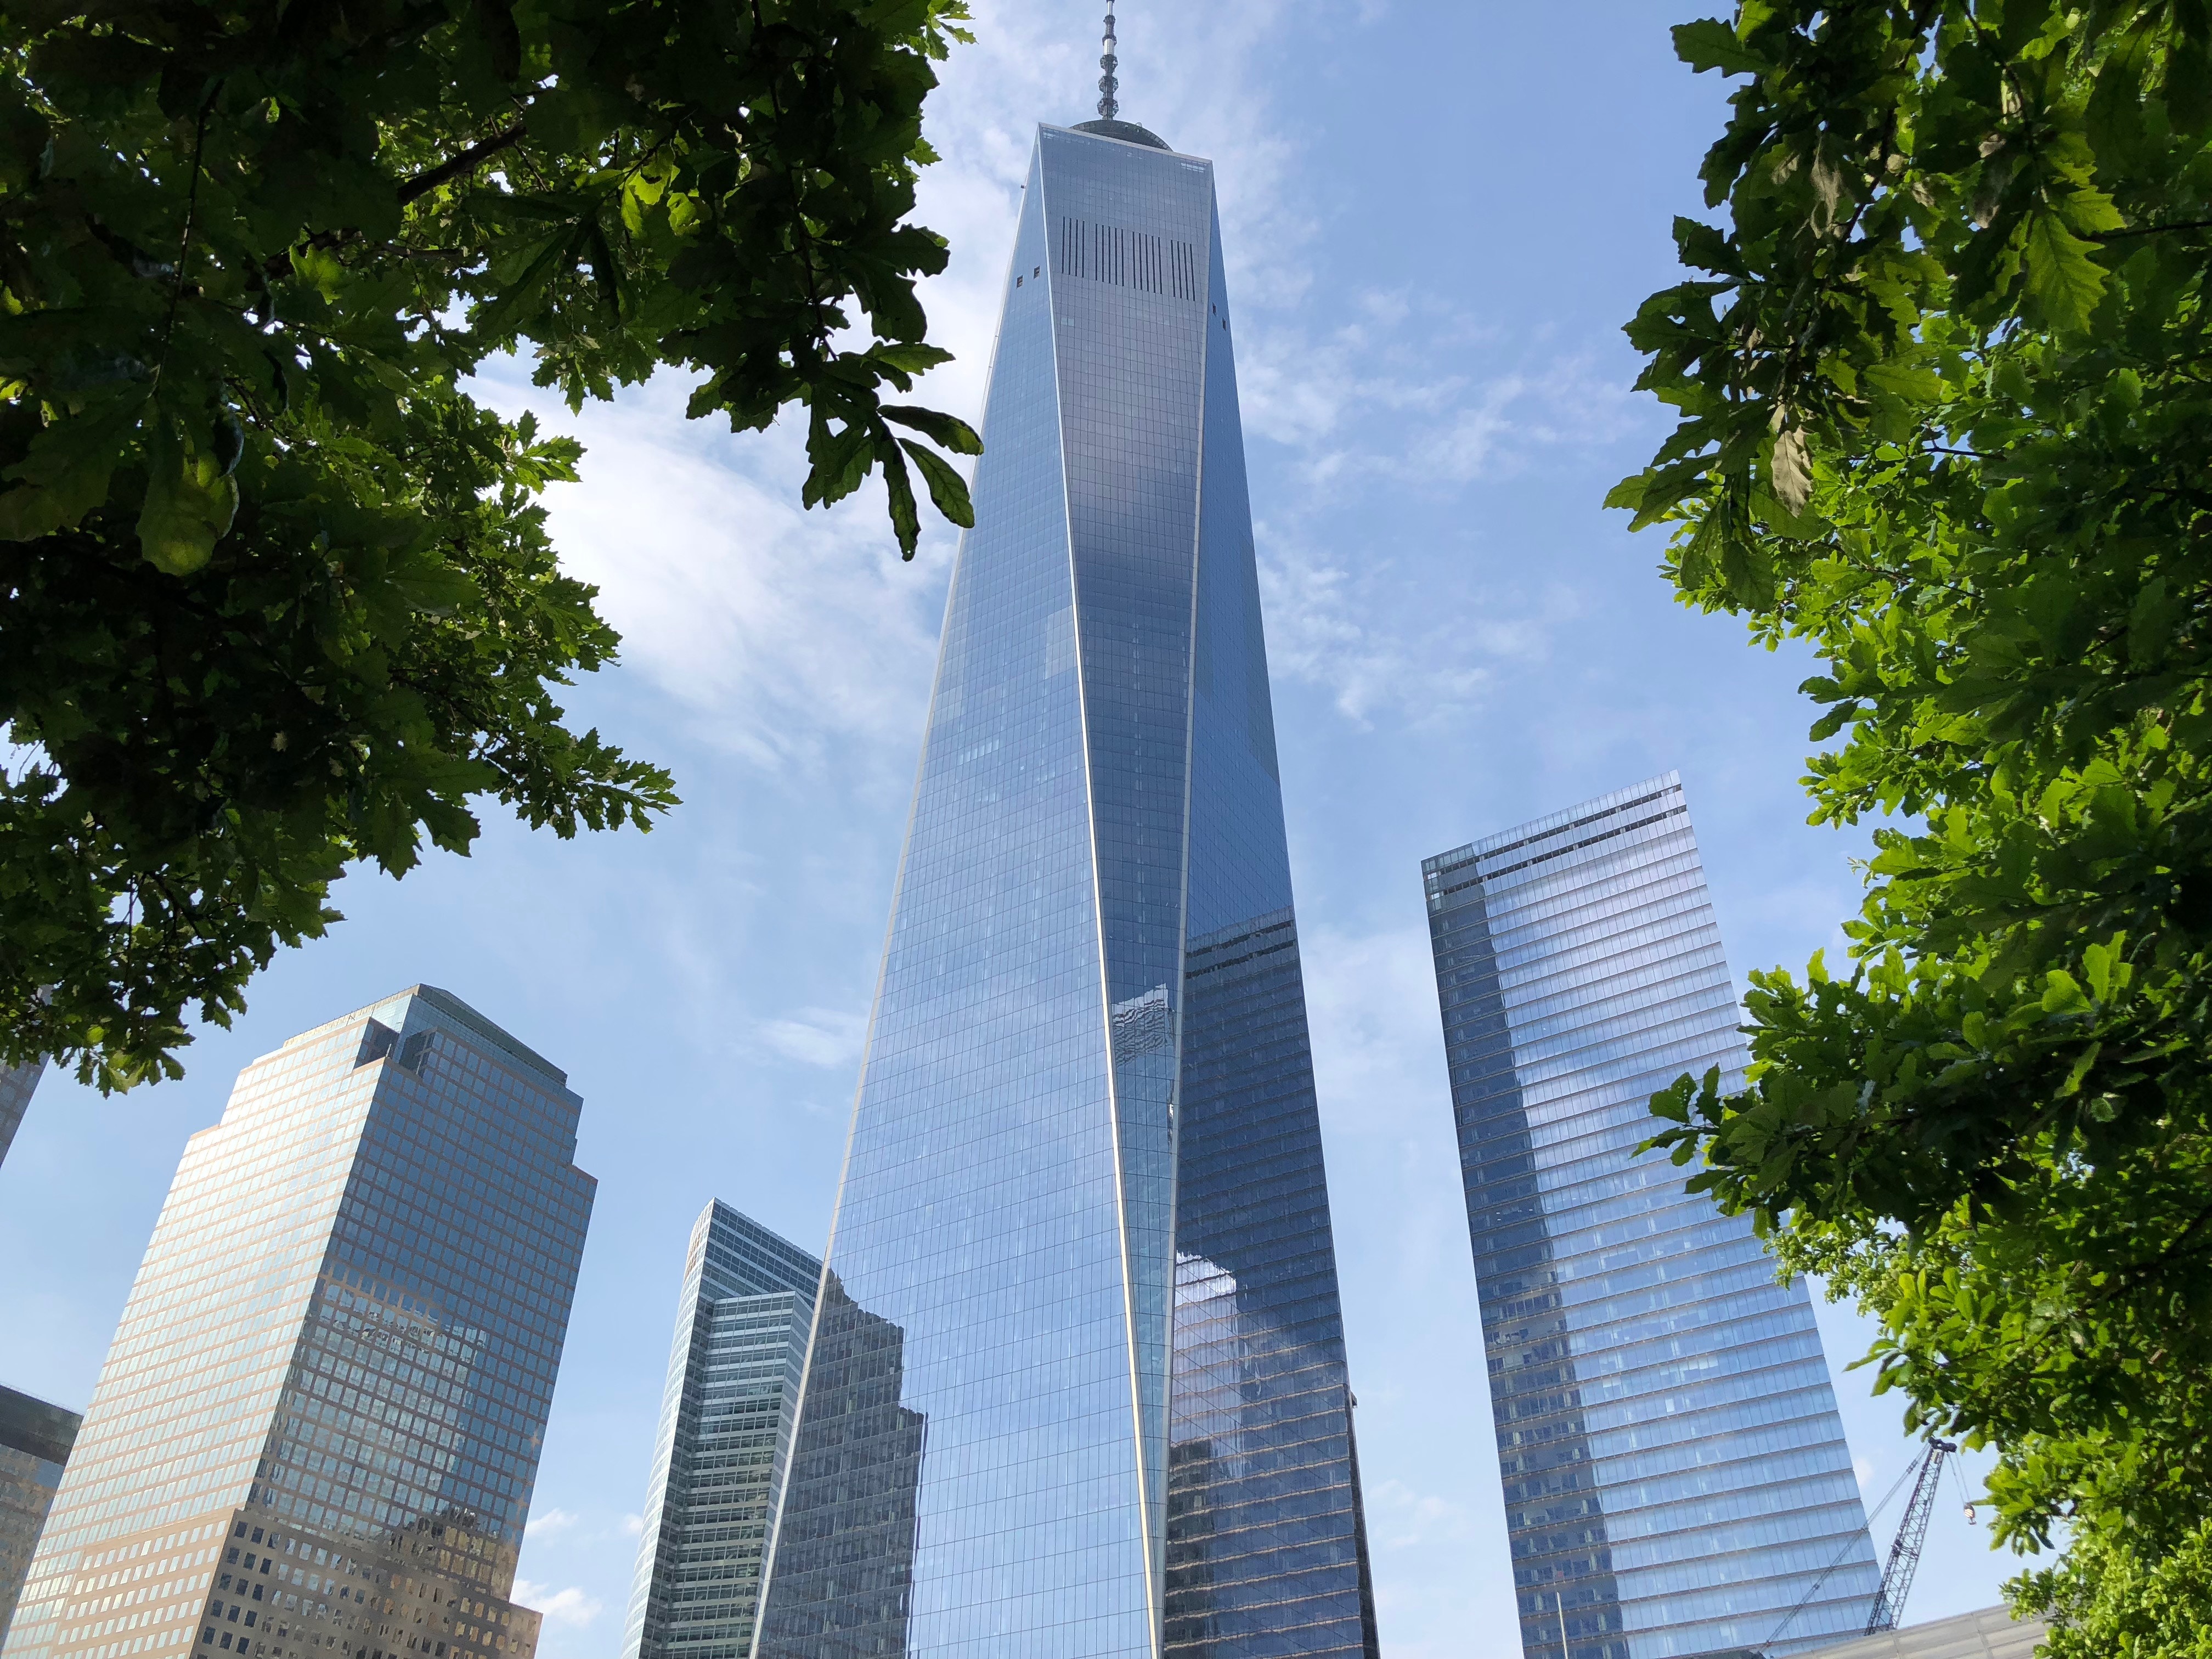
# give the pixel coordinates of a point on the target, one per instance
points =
(1109, 106)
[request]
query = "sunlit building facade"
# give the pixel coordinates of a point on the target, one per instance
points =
(1676, 1477)
(317, 1429)
(35, 1438)
(742, 1324)
(1077, 1384)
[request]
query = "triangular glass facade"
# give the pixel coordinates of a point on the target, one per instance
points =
(1081, 1389)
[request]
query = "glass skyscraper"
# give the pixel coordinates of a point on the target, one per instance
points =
(1077, 1382)
(16, 1086)
(742, 1325)
(1676, 1477)
(318, 1426)
(35, 1439)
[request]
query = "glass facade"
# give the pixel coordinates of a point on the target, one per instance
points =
(1676, 1477)
(16, 1086)
(742, 1325)
(318, 1426)
(35, 1439)
(1078, 1382)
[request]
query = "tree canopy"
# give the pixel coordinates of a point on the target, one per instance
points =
(1945, 402)
(275, 593)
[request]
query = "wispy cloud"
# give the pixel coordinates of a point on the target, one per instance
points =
(816, 1036)
(789, 636)
(572, 1607)
(792, 637)
(551, 1522)
(1375, 641)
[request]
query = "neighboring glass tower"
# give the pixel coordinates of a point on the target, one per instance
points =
(17, 1083)
(1082, 1262)
(741, 1331)
(35, 1439)
(1676, 1477)
(318, 1426)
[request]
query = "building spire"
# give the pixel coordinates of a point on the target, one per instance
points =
(1109, 106)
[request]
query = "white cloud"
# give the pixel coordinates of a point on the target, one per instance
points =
(799, 640)
(550, 1521)
(1864, 1471)
(1357, 627)
(791, 636)
(563, 1606)
(816, 1036)
(632, 1525)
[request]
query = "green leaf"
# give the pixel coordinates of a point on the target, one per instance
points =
(606, 273)
(841, 460)
(1833, 721)
(1792, 470)
(2080, 1068)
(190, 503)
(947, 431)
(906, 521)
(2061, 275)
(947, 489)
(911, 357)
(66, 472)
(2061, 994)
(2151, 622)
(1709, 43)
(1703, 247)
(2188, 85)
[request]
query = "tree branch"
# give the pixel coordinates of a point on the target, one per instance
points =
(2150, 230)
(451, 168)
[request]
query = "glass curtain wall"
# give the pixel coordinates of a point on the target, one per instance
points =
(1676, 1477)
(733, 1375)
(1076, 1075)
(320, 1421)
(35, 1438)
(17, 1083)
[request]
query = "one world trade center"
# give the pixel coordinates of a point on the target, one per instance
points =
(1077, 1386)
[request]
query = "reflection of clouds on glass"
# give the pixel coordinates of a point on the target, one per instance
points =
(1661, 1403)
(1263, 1469)
(1091, 954)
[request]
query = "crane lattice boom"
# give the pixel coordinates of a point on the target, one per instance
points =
(1912, 1533)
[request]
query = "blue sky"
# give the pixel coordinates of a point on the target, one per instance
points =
(1436, 219)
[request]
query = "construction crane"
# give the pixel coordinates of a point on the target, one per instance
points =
(1912, 1533)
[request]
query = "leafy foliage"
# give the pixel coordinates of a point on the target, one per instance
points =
(275, 594)
(2105, 1602)
(1944, 413)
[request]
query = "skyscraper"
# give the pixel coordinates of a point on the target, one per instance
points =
(1082, 1259)
(35, 1439)
(1676, 1477)
(318, 1426)
(17, 1083)
(742, 1325)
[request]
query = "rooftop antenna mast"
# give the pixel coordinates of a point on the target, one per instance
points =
(1109, 106)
